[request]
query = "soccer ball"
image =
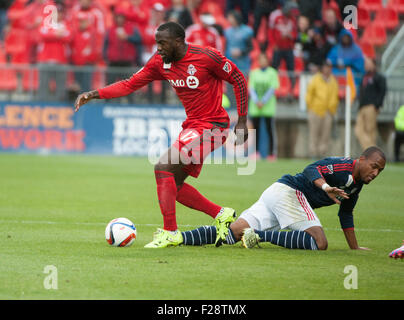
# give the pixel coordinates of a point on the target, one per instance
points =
(120, 232)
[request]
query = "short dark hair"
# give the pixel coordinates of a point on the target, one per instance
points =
(175, 29)
(371, 150)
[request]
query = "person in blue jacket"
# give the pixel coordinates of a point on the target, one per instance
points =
(347, 54)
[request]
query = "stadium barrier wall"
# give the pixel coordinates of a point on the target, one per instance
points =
(128, 130)
(95, 129)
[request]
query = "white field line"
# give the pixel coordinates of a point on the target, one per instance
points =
(159, 225)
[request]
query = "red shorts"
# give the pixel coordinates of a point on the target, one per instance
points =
(196, 141)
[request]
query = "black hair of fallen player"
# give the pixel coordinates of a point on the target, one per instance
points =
(371, 150)
(175, 29)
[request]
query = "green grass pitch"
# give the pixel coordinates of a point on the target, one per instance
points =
(54, 210)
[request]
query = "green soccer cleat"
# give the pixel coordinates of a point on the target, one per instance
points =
(250, 239)
(222, 223)
(163, 238)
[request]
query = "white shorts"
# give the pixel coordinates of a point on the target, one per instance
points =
(281, 207)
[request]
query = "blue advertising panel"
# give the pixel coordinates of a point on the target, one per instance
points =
(96, 128)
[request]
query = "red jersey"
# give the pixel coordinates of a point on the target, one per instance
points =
(284, 32)
(53, 44)
(197, 79)
(205, 37)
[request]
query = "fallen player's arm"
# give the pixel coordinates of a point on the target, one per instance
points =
(346, 220)
(332, 192)
(351, 239)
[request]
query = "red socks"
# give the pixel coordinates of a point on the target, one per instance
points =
(190, 197)
(187, 195)
(167, 193)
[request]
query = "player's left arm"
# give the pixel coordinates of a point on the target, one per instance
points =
(226, 70)
(313, 174)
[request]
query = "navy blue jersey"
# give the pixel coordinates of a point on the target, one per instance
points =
(337, 172)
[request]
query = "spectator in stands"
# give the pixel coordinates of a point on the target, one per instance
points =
(204, 33)
(284, 35)
(371, 96)
(322, 103)
(84, 49)
(16, 40)
(331, 27)
(317, 51)
(262, 84)
(157, 17)
(4, 5)
(304, 37)
(137, 12)
(347, 54)
(263, 8)
(239, 41)
(179, 13)
(34, 15)
(53, 56)
(96, 20)
(311, 9)
(121, 47)
(399, 133)
(243, 5)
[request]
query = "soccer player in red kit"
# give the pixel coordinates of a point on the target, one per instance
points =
(196, 73)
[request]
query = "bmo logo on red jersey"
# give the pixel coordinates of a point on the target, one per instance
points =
(177, 83)
(191, 82)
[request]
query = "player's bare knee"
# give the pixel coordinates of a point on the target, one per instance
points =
(322, 243)
(238, 227)
(237, 232)
(319, 236)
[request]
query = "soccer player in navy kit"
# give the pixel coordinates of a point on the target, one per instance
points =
(289, 204)
(196, 73)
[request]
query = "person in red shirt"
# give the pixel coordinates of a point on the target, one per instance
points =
(284, 35)
(53, 55)
(122, 48)
(136, 12)
(196, 74)
(88, 41)
(203, 33)
(157, 17)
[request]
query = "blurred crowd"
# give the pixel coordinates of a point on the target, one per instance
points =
(272, 42)
(296, 35)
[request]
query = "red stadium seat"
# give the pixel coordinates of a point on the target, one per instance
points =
(284, 85)
(371, 5)
(363, 17)
(387, 17)
(375, 34)
(397, 5)
(30, 80)
(299, 64)
(8, 79)
(262, 30)
(367, 49)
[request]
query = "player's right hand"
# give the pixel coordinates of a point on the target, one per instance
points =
(335, 194)
(83, 99)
